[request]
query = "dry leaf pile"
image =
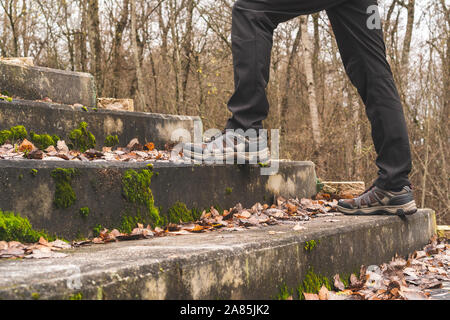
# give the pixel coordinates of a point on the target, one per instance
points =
(133, 152)
(418, 278)
(236, 219)
(41, 250)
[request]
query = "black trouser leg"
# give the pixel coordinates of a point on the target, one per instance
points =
(252, 34)
(364, 56)
(253, 24)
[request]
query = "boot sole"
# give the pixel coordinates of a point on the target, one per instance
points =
(407, 209)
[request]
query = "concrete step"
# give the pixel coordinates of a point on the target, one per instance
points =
(251, 264)
(62, 119)
(37, 83)
(27, 187)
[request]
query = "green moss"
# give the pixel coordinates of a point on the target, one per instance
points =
(76, 296)
(111, 141)
(196, 213)
(319, 185)
(285, 293)
(310, 245)
(81, 139)
(4, 98)
(99, 293)
(141, 205)
(85, 211)
(64, 194)
(179, 212)
(219, 208)
(33, 172)
(5, 135)
(56, 138)
(313, 283)
(129, 222)
(44, 141)
(229, 191)
(345, 279)
(15, 228)
(18, 133)
(97, 229)
(12, 135)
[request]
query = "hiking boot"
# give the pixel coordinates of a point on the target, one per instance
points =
(229, 146)
(378, 201)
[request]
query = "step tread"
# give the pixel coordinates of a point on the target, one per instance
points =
(108, 265)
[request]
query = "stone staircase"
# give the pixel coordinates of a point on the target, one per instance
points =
(27, 186)
(235, 265)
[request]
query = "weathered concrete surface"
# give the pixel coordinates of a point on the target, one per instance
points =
(99, 187)
(245, 265)
(62, 119)
(116, 104)
(37, 83)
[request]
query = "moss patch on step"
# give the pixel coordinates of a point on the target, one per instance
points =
(13, 227)
(285, 293)
(12, 135)
(76, 296)
(111, 141)
(81, 139)
(141, 205)
(64, 195)
(97, 230)
(85, 211)
(313, 283)
(43, 141)
(180, 213)
(311, 245)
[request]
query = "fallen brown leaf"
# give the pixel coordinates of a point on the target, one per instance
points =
(323, 293)
(311, 296)
(338, 284)
(26, 146)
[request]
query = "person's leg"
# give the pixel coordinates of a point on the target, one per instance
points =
(364, 56)
(254, 22)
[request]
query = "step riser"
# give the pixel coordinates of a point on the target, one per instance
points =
(100, 189)
(37, 83)
(213, 267)
(61, 120)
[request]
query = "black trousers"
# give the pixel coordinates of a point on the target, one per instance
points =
(364, 56)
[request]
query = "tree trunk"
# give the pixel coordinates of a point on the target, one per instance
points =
(308, 64)
(187, 53)
(117, 47)
(95, 43)
(141, 101)
(287, 86)
(408, 36)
